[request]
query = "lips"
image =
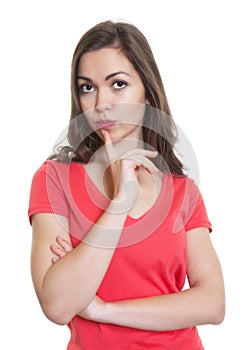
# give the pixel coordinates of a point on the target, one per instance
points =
(105, 124)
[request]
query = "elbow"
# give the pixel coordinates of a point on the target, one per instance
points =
(56, 314)
(218, 311)
(58, 310)
(218, 315)
(56, 318)
(212, 306)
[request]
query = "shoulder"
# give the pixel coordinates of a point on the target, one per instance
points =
(52, 167)
(183, 181)
(187, 190)
(183, 186)
(48, 189)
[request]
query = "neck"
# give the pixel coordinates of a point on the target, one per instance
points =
(128, 144)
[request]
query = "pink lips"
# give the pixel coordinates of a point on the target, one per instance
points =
(106, 124)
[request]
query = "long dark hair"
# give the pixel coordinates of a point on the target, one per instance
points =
(159, 130)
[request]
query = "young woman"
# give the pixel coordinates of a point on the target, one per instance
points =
(117, 225)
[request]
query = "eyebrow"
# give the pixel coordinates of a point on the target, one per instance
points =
(107, 77)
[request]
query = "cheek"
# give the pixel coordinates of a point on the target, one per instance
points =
(83, 105)
(87, 110)
(89, 118)
(86, 102)
(141, 94)
(134, 113)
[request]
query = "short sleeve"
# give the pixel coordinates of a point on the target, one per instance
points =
(46, 193)
(196, 215)
(192, 213)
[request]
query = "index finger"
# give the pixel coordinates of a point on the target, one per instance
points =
(111, 154)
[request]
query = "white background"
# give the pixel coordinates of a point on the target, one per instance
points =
(201, 50)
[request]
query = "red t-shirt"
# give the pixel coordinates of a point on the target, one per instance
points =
(150, 259)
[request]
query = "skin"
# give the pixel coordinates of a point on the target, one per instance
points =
(201, 304)
(112, 91)
(62, 274)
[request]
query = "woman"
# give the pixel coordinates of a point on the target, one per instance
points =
(117, 225)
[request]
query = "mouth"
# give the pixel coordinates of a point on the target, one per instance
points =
(106, 124)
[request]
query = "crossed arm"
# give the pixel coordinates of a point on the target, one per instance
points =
(202, 303)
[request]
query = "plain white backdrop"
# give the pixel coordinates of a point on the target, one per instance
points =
(201, 50)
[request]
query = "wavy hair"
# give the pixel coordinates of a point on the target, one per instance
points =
(159, 129)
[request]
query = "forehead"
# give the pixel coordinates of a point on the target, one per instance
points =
(104, 61)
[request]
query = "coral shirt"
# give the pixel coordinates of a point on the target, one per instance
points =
(151, 257)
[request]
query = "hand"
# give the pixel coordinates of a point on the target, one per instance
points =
(124, 170)
(61, 248)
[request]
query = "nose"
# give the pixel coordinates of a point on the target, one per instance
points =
(103, 100)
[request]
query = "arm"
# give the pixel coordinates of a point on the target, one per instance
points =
(67, 287)
(78, 275)
(202, 303)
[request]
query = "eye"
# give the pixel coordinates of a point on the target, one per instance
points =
(119, 84)
(86, 88)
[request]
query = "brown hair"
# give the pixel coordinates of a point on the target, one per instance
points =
(159, 130)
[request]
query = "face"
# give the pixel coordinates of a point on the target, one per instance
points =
(112, 95)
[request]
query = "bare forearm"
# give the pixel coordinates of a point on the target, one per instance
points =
(203, 303)
(167, 312)
(71, 283)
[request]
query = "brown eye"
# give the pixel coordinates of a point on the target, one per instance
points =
(86, 88)
(119, 84)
